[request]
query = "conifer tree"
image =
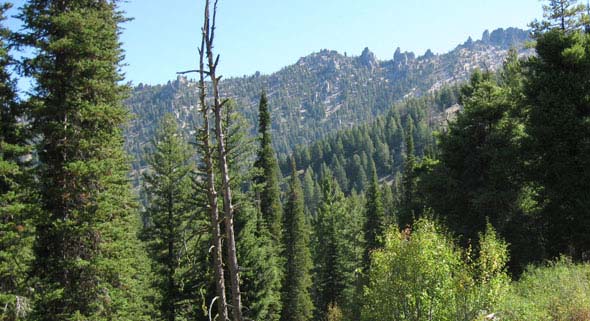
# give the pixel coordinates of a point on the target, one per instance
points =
(558, 124)
(270, 196)
(16, 204)
(565, 15)
(169, 229)
(297, 304)
(261, 263)
(89, 263)
(334, 250)
(407, 212)
(389, 203)
(258, 253)
(309, 192)
(374, 218)
(327, 284)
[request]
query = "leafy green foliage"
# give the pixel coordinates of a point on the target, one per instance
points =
(422, 275)
(559, 291)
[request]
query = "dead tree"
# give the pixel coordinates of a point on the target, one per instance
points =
(208, 167)
(223, 167)
(220, 140)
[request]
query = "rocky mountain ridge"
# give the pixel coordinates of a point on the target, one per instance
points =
(326, 91)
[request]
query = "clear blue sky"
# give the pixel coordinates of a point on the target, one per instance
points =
(266, 35)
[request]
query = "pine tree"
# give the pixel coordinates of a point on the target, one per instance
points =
(297, 304)
(374, 218)
(389, 203)
(310, 192)
(261, 263)
(270, 196)
(169, 214)
(89, 262)
(258, 253)
(16, 204)
(566, 15)
(407, 212)
(328, 282)
(558, 125)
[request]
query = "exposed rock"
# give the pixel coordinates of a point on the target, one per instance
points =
(509, 37)
(367, 59)
(468, 43)
(485, 37)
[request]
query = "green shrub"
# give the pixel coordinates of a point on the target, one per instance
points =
(422, 275)
(557, 292)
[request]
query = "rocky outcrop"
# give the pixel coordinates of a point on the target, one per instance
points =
(368, 59)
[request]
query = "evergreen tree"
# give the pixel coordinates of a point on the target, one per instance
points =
(310, 192)
(389, 203)
(556, 88)
(16, 203)
(169, 227)
(565, 15)
(270, 196)
(297, 304)
(479, 175)
(374, 218)
(328, 281)
(89, 262)
(261, 263)
(258, 253)
(407, 212)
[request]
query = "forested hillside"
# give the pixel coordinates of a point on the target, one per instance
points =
(432, 188)
(325, 91)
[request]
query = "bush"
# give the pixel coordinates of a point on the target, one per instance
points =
(422, 275)
(557, 292)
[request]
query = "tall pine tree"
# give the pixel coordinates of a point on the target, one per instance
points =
(297, 304)
(559, 126)
(16, 206)
(374, 217)
(89, 262)
(169, 219)
(407, 207)
(270, 196)
(258, 253)
(328, 283)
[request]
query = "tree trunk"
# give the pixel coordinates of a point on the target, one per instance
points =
(224, 169)
(210, 173)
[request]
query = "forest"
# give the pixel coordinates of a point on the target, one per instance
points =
(469, 202)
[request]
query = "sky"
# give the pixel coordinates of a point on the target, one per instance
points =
(266, 35)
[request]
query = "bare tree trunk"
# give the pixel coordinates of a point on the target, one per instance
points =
(224, 169)
(217, 247)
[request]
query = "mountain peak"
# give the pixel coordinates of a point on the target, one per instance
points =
(368, 59)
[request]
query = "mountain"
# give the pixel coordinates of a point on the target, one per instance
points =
(325, 91)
